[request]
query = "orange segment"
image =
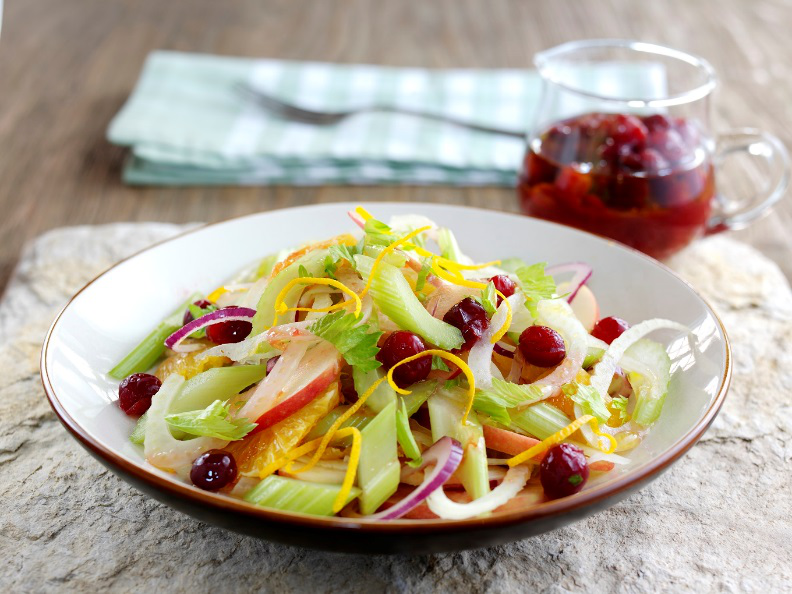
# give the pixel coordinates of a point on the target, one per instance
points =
(259, 450)
(345, 239)
(185, 364)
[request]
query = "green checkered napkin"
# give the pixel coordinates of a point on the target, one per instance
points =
(187, 125)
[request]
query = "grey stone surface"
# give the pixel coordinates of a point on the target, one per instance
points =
(719, 520)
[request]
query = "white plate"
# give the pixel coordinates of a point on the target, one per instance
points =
(112, 313)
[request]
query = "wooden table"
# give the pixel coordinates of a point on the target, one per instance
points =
(67, 67)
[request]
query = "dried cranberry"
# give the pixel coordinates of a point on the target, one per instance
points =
(542, 346)
(213, 470)
(646, 160)
(470, 317)
(399, 346)
(225, 332)
(135, 392)
(188, 317)
(563, 471)
(503, 284)
(609, 329)
(669, 143)
(628, 130)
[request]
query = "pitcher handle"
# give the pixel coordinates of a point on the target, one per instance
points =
(737, 214)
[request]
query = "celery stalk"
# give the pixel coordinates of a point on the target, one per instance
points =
(297, 496)
(139, 432)
(648, 368)
(396, 259)
(359, 420)
(394, 297)
(219, 383)
(449, 248)
(145, 354)
(540, 420)
(405, 436)
(446, 408)
(265, 311)
(379, 469)
(419, 393)
(381, 397)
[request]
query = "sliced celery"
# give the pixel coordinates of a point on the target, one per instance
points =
(297, 496)
(540, 420)
(393, 258)
(379, 469)
(405, 436)
(219, 383)
(382, 396)
(359, 420)
(419, 393)
(596, 348)
(446, 408)
(648, 368)
(145, 354)
(449, 248)
(313, 262)
(392, 294)
(139, 432)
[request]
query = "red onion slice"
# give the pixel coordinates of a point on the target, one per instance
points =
(229, 314)
(582, 272)
(503, 351)
(446, 455)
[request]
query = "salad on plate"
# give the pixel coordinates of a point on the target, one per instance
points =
(385, 375)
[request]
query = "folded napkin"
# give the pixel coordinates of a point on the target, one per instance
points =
(186, 124)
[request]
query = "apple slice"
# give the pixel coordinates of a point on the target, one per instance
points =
(584, 305)
(507, 442)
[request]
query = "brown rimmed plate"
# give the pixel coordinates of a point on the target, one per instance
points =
(111, 314)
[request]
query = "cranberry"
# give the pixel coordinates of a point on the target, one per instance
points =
(399, 346)
(628, 129)
(563, 471)
(542, 346)
(503, 284)
(669, 144)
(656, 122)
(188, 317)
(470, 317)
(225, 332)
(135, 392)
(646, 160)
(609, 329)
(213, 470)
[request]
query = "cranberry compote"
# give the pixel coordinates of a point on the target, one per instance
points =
(563, 471)
(542, 346)
(225, 332)
(645, 181)
(213, 470)
(136, 391)
(471, 318)
(609, 329)
(399, 346)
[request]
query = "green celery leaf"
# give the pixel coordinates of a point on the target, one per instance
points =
(303, 271)
(343, 252)
(426, 268)
(512, 264)
(504, 395)
(438, 363)
(535, 285)
(330, 266)
(212, 421)
(620, 404)
(489, 299)
(591, 401)
(378, 233)
(197, 312)
(356, 344)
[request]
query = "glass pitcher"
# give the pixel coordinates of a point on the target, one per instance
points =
(622, 147)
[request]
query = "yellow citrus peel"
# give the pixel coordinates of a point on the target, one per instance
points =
(349, 476)
(387, 251)
(334, 430)
(506, 324)
(448, 357)
(280, 306)
(560, 436)
(215, 295)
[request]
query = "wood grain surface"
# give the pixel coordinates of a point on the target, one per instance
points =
(67, 67)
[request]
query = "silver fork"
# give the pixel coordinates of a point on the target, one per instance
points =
(290, 111)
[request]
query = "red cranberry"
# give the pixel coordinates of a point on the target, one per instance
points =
(609, 329)
(213, 470)
(646, 160)
(503, 284)
(399, 346)
(669, 143)
(135, 392)
(470, 317)
(542, 346)
(563, 471)
(188, 317)
(656, 122)
(225, 332)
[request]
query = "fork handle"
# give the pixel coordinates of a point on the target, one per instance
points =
(445, 118)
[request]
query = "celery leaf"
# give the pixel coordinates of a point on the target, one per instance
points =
(503, 395)
(212, 421)
(591, 401)
(535, 285)
(356, 344)
(489, 299)
(620, 403)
